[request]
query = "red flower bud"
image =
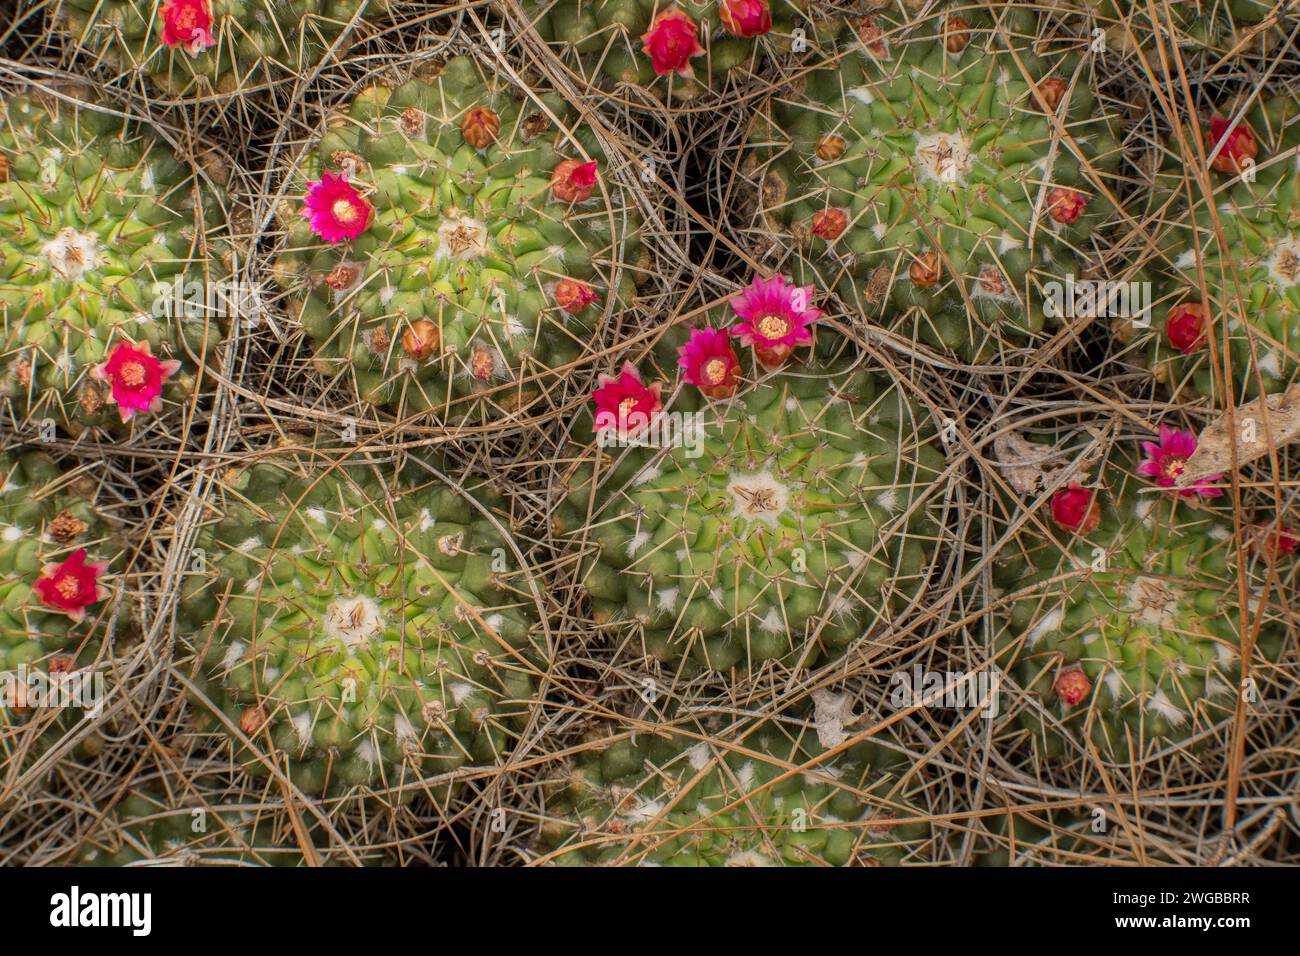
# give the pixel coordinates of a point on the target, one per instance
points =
(1076, 509)
(1185, 327)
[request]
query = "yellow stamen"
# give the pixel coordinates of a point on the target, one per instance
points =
(344, 211)
(773, 327)
(132, 374)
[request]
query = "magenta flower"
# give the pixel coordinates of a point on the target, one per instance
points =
(709, 363)
(625, 403)
(135, 378)
(774, 318)
(1166, 459)
(336, 210)
(188, 24)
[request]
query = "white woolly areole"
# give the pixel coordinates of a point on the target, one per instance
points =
(353, 622)
(757, 497)
(862, 94)
(460, 691)
(748, 858)
(698, 756)
(1219, 533)
(1166, 708)
(11, 533)
(1186, 259)
(317, 515)
(234, 653)
(888, 499)
(402, 728)
(1049, 622)
(717, 595)
(1112, 682)
(649, 473)
(427, 520)
(637, 542)
(302, 724)
(944, 157)
(666, 598)
(367, 752)
(645, 811)
(1153, 600)
(1216, 688)
(70, 253)
(1284, 265)
(771, 623)
(461, 238)
(1271, 365)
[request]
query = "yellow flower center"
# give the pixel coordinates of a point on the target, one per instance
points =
(626, 406)
(1174, 467)
(773, 327)
(67, 586)
(132, 374)
(344, 211)
(715, 371)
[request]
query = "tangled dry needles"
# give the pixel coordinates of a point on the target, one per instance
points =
(605, 432)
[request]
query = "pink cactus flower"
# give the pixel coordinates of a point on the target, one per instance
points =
(188, 24)
(625, 403)
(745, 18)
(1167, 458)
(71, 586)
(135, 378)
(671, 42)
(774, 318)
(335, 209)
(709, 363)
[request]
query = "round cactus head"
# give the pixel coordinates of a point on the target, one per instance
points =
(109, 285)
(701, 795)
(1239, 294)
(791, 515)
(177, 825)
(364, 634)
(680, 51)
(937, 174)
(454, 248)
(58, 612)
(1122, 619)
(195, 48)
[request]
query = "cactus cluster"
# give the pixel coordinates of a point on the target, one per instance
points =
(1230, 266)
(153, 826)
(1122, 617)
(59, 612)
(680, 51)
(940, 172)
(458, 246)
(195, 48)
(782, 523)
(693, 798)
(359, 633)
(109, 245)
